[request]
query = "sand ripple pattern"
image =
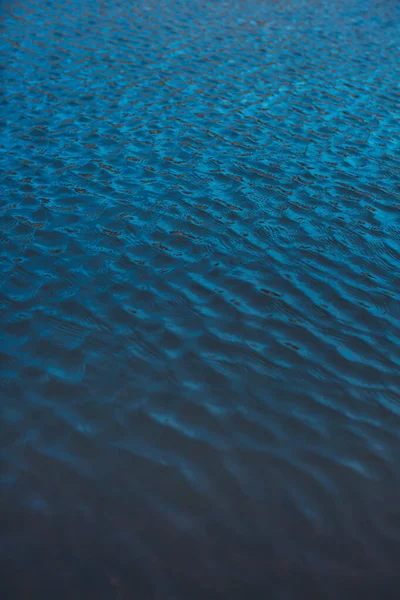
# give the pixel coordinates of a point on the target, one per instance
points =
(199, 299)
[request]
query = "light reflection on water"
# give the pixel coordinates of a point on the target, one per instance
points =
(200, 247)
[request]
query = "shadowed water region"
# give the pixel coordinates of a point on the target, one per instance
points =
(199, 299)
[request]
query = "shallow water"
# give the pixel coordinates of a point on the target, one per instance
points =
(199, 299)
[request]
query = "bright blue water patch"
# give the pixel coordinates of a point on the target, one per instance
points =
(199, 299)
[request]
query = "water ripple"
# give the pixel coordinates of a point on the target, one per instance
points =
(199, 311)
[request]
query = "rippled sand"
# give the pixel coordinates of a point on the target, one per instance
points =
(199, 300)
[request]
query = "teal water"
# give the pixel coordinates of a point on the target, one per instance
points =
(199, 299)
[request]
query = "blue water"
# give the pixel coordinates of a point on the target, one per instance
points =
(199, 299)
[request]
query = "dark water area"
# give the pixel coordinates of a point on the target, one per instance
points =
(199, 299)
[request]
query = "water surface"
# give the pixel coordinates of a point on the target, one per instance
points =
(199, 299)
